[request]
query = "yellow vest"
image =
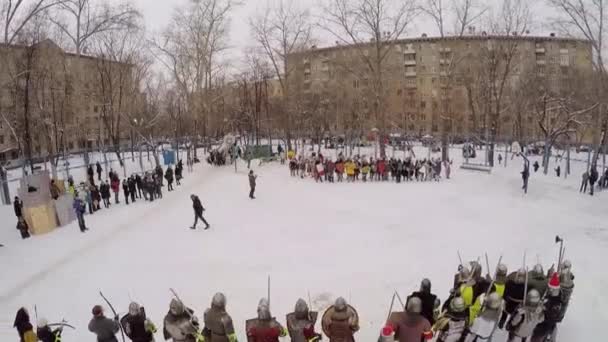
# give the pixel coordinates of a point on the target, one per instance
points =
(500, 289)
(466, 292)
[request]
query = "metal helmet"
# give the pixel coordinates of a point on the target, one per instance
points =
(134, 309)
(301, 306)
(425, 285)
(340, 304)
(264, 313)
(42, 322)
(502, 270)
(218, 301)
(520, 276)
(538, 269)
(475, 269)
(414, 305)
(567, 265)
(493, 302)
(176, 307)
(533, 298)
(263, 302)
(464, 273)
(457, 304)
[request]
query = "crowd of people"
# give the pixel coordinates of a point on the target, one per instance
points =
(528, 305)
(90, 195)
(365, 169)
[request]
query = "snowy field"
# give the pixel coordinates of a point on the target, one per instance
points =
(359, 241)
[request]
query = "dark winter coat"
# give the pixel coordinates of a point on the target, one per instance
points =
(178, 170)
(18, 206)
(197, 206)
(46, 335)
(132, 185)
(90, 171)
(135, 328)
(22, 323)
(139, 182)
(159, 171)
(99, 168)
(104, 189)
(593, 176)
(428, 304)
(169, 175)
(125, 188)
(104, 328)
(79, 206)
(252, 180)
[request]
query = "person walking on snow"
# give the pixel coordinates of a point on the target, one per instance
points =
(169, 178)
(558, 171)
(198, 212)
(592, 179)
(125, 189)
(80, 208)
(536, 166)
(252, 184)
(525, 175)
(584, 182)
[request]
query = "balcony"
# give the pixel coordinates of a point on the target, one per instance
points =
(541, 62)
(445, 49)
(410, 62)
(444, 61)
(409, 52)
(540, 50)
(410, 74)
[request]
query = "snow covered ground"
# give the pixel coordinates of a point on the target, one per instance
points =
(359, 241)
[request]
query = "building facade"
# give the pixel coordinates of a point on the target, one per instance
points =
(64, 102)
(435, 84)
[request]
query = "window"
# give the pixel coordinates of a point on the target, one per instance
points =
(307, 77)
(423, 104)
(410, 82)
(564, 60)
(95, 109)
(356, 84)
(1, 139)
(541, 69)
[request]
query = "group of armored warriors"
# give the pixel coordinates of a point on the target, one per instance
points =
(527, 305)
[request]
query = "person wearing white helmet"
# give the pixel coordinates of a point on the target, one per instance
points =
(526, 318)
(45, 333)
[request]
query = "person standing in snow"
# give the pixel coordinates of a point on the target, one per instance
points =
(430, 302)
(252, 184)
(486, 323)
(140, 187)
(18, 207)
(136, 325)
(180, 323)
(584, 182)
(91, 174)
(98, 171)
(105, 328)
(301, 323)
(558, 171)
(265, 328)
(218, 323)
(169, 178)
(132, 188)
(23, 228)
(409, 325)
(451, 326)
(198, 212)
(526, 318)
(24, 326)
(179, 169)
(340, 322)
(115, 185)
(536, 166)
(125, 189)
(80, 208)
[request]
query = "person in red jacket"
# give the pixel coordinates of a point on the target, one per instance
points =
(115, 185)
(381, 167)
(265, 328)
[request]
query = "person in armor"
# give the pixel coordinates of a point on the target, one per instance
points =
(136, 325)
(301, 323)
(537, 279)
(180, 323)
(514, 294)
(409, 325)
(430, 302)
(46, 334)
(105, 328)
(485, 324)
(218, 324)
(340, 322)
(501, 279)
(265, 328)
(479, 283)
(566, 278)
(525, 319)
(554, 313)
(451, 326)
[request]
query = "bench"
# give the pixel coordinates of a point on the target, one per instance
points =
(476, 167)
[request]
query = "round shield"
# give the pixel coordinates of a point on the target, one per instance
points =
(326, 319)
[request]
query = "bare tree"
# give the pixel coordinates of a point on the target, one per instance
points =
(15, 14)
(373, 26)
(587, 19)
(434, 9)
(467, 13)
(280, 31)
(88, 18)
